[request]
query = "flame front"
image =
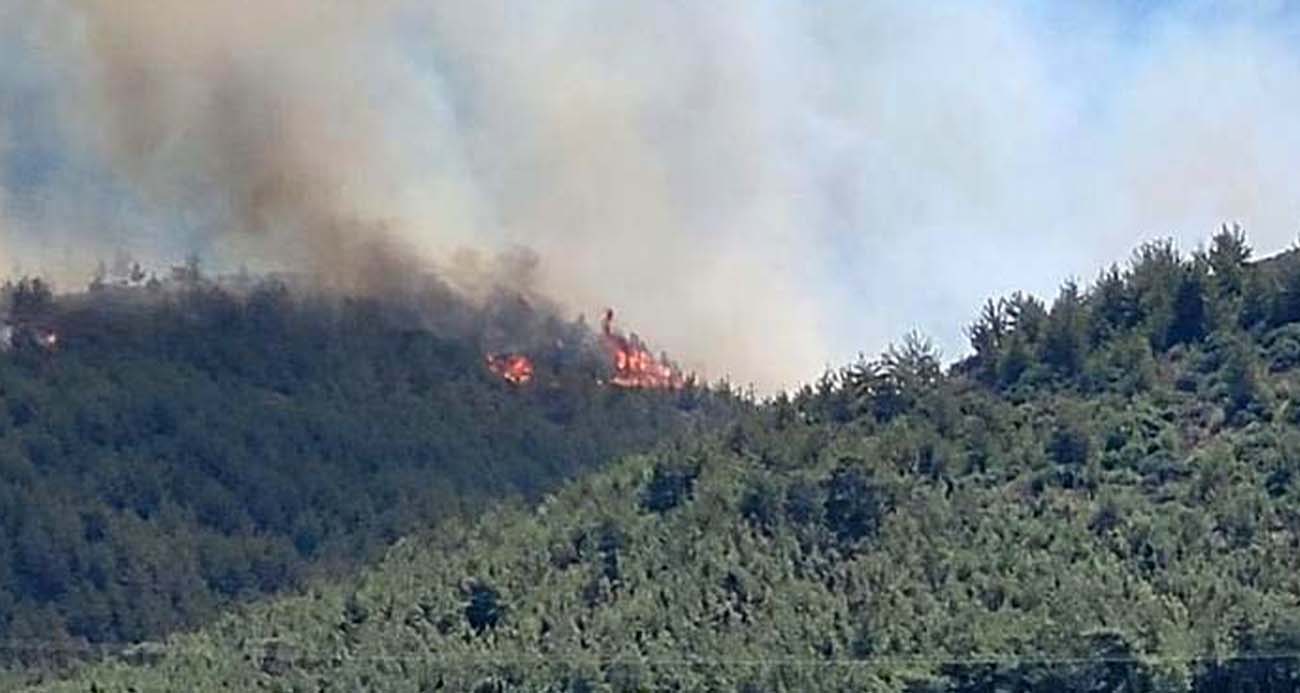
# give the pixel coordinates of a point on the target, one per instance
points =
(634, 365)
(514, 368)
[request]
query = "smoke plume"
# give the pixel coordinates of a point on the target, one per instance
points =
(256, 122)
(4, 225)
(760, 188)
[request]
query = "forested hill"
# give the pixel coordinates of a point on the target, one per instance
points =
(167, 450)
(1103, 497)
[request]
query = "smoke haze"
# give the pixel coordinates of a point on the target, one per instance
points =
(763, 189)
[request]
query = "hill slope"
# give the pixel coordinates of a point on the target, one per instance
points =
(1103, 497)
(164, 453)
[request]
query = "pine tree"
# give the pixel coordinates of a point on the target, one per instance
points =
(1228, 257)
(1028, 316)
(1111, 306)
(986, 338)
(1189, 316)
(1064, 341)
(1287, 303)
(1155, 271)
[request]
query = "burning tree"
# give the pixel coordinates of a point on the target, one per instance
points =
(525, 342)
(514, 368)
(634, 365)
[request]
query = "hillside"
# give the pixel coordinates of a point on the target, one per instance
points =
(167, 451)
(1102, 497)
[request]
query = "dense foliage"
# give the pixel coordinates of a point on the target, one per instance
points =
(168, 450)
(1103, 497)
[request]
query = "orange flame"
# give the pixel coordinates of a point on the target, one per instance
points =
(634, 365)
(514, 368)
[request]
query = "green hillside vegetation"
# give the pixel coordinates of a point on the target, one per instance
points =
(171, 451)
(1102, 497)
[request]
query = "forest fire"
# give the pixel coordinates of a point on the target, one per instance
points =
(634, 365)
(514, 368)
(630, 359)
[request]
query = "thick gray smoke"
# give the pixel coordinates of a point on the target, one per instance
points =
(760, 188)
(259, 123)
(4, 226)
